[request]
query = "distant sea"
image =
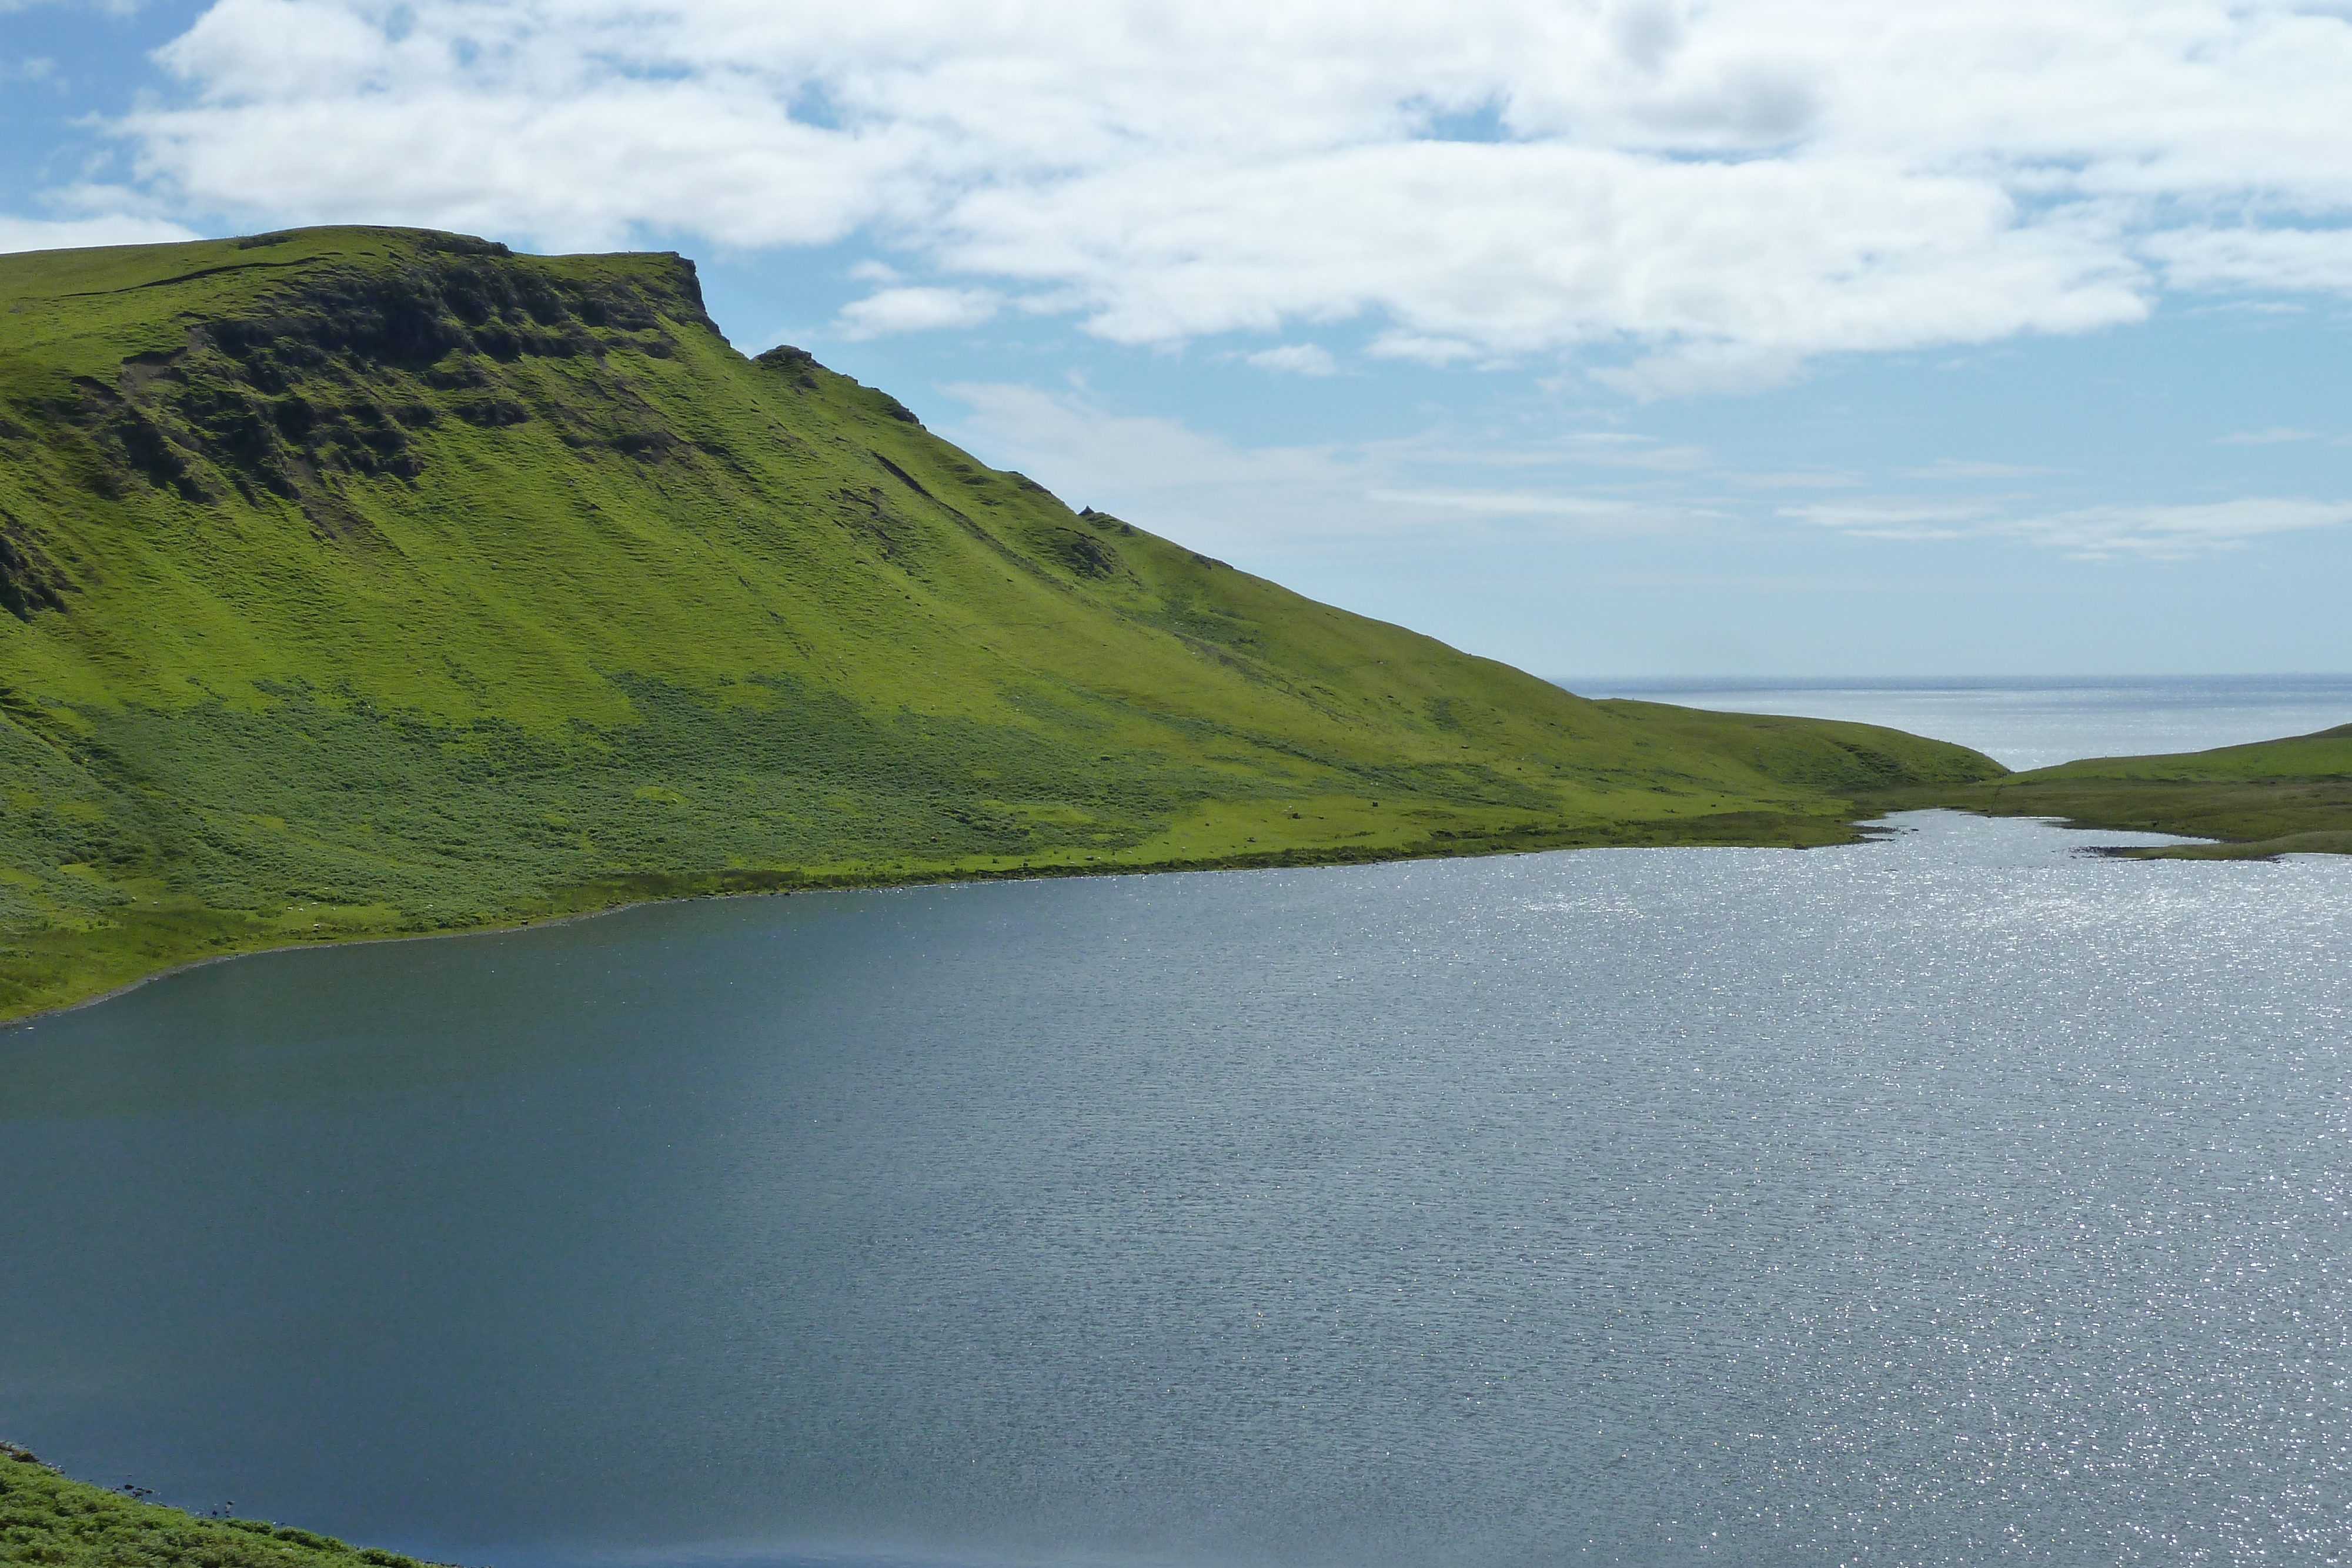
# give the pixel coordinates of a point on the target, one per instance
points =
(2033, 721)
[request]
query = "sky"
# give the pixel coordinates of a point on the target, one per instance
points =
(1615, 339)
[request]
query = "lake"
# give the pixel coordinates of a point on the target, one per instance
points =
(1958, 1197)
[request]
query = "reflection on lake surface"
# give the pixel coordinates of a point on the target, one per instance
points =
(1951, 1200)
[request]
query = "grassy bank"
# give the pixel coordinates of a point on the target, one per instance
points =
(495, 852)
(46, 1518)
(362, 582)
(2271, 798)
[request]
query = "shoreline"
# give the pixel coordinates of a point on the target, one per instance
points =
(1859, 830)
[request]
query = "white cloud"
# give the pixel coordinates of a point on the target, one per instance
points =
(2182, 531)
(1586, 514)
(1260, 505)
(2316, 261)
(1421, 348)
(1961, 468)
(1298, 358)
(2162, 532)
(1161, 473)
(1796, 479)
(73, 234)
(2274, 436)
(1575, 449)
(1703, 196)
(1612, 449)
(1695, 367)
(110, 8)
(1263, 505)
(1882, 521)
(915, 310)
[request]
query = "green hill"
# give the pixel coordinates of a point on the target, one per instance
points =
(2270, 797)
(359, 581)
(46, 1518)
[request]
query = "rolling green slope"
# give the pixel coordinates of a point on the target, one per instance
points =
(46, 1518)
(358, 582)
(2270, 797)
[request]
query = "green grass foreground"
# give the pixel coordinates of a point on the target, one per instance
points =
(365, 582)
(47, 1519)
(2269, 798)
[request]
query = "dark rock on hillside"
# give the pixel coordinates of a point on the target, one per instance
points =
(336, 374)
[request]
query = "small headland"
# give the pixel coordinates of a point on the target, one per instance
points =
(48, 1517)
(2292, 796)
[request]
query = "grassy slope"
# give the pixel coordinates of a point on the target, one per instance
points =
(47, 1519)
(2273, 796)
(366, 581)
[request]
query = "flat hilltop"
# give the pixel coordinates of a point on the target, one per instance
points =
(369, 581)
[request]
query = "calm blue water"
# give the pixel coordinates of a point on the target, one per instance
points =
(2032, 723)
(1954, 1199)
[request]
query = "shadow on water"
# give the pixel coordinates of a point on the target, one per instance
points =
(342, 1025)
